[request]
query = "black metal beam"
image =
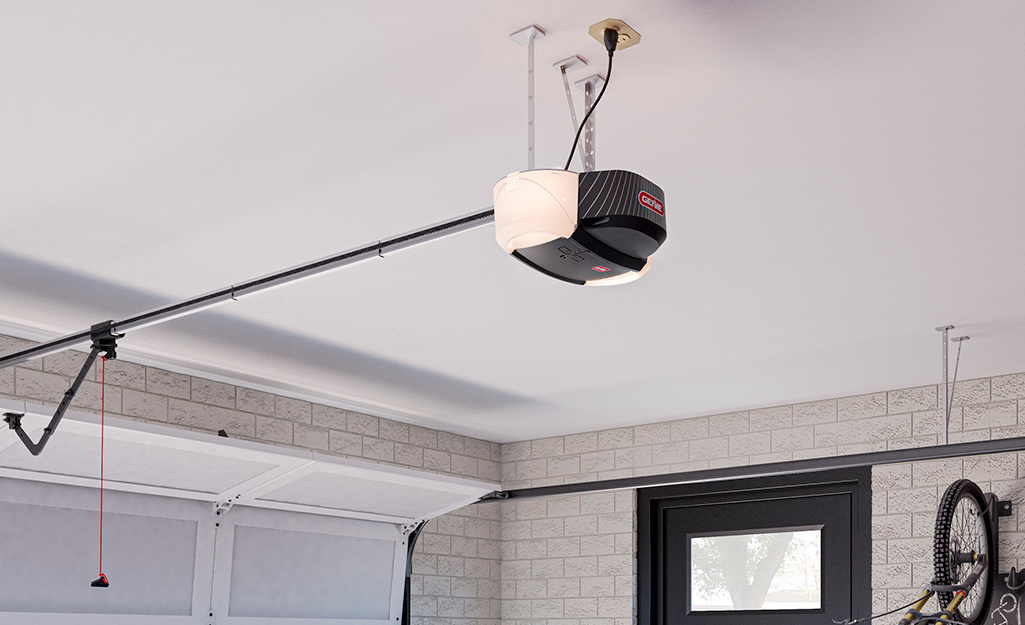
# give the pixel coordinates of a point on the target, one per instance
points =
(264, 283)
(895, 456)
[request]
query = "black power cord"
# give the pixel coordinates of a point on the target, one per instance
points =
(611, 40)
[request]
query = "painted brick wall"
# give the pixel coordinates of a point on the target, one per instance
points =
(571, 560)
(457, 569)
(456, 563)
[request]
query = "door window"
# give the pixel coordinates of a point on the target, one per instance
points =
(790, 550)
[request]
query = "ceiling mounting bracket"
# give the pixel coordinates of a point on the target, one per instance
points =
(948, 393)
(526, 37)
(564, 66)
(944, 330)
(591, 85)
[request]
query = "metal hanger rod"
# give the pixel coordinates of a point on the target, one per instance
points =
(944, 330)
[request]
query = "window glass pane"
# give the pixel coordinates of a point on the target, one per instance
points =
(770, 571)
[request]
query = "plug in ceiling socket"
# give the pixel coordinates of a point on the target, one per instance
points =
(626, 36)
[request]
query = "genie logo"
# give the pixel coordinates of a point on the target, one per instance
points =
(601, 269)
(651, 202)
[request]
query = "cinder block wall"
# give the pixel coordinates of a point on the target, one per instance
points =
(572, 560)
(457, 557)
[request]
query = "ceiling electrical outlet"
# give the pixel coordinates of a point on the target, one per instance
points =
(627, 36)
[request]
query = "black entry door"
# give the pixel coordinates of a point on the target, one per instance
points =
(790, 550)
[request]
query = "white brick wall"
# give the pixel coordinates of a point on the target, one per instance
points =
(457, 569)
(570, 560)
(151, 394)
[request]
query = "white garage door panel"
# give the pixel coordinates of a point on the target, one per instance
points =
(174, 560)
(276, 567)
(55, 558)
(288, 574)
(201, 529)
(156, 552)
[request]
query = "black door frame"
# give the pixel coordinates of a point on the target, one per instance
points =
(857, 481)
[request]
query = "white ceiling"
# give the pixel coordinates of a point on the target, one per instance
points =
(840, 178)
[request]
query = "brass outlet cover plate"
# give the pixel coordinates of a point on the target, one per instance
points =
(627, 36)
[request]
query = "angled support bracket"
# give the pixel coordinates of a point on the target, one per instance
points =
(591, 86)
(564, 66)
(105, 341)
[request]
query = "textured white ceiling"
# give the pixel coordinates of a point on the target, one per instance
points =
(840, 178)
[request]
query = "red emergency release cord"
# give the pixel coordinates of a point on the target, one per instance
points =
(101, 581)
(103, 388)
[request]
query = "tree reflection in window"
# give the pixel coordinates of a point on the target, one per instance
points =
(767, 571)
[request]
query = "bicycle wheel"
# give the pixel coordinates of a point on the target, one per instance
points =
(962, 534)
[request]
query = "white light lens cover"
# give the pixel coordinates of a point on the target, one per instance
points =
(534, 207)
(622, 278)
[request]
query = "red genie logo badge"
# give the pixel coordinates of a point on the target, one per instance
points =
(651, 202)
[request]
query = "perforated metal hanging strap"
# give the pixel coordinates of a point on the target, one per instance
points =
(572, 108)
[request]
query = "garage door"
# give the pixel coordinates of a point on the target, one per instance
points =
(199, 529)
